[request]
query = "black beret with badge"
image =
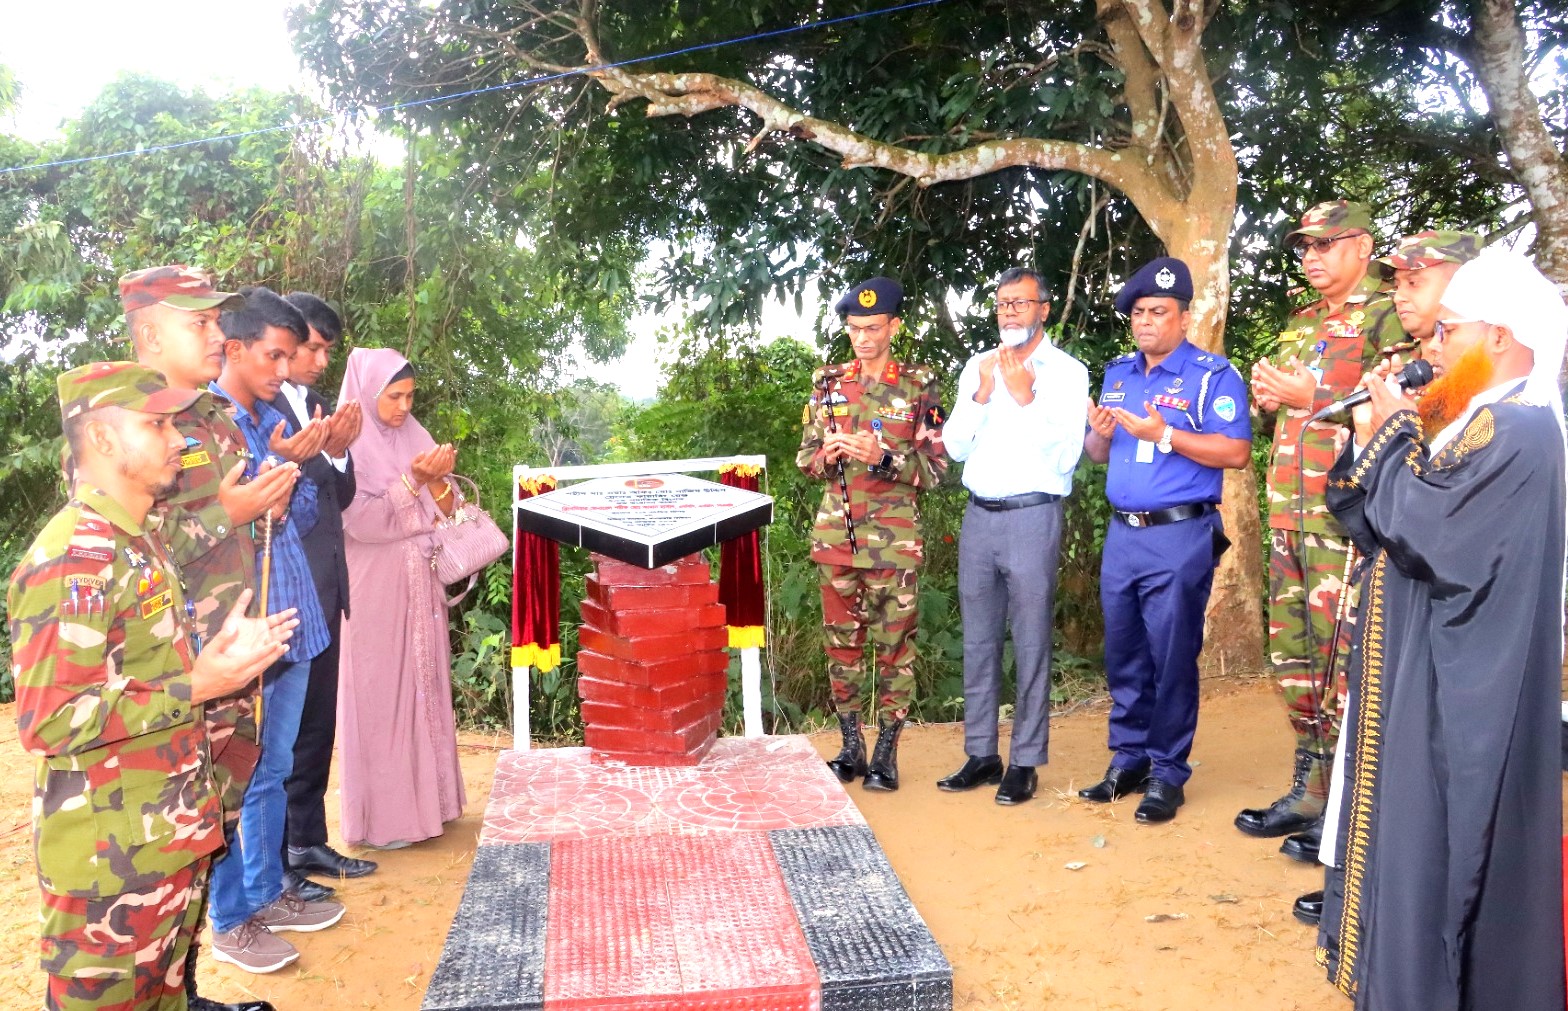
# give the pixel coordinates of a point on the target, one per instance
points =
(1165, 277)
(871, 297)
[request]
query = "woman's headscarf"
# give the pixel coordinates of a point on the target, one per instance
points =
(381, 453)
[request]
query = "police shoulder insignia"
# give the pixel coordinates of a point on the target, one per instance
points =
(1225, 407)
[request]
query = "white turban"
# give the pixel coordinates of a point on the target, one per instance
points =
(1504, 288)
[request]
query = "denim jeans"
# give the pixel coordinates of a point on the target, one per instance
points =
(250, 874)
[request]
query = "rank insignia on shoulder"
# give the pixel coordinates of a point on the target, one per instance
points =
(935, 417)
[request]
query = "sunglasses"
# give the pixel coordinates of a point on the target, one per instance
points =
(1320, 245)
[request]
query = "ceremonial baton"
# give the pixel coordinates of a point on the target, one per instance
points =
(843, 481)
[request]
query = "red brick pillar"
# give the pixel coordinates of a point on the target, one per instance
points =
(652, 655)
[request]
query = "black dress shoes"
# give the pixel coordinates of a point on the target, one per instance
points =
(195, 1003)
(323, 859)
(1018, 784)
(985, 771)
(1160, 801)
(298, 884)
(1303, 846)
(1308, 908)
(1117, 784)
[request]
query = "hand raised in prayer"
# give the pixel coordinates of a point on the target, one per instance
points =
(302, 445)
(433, 464)
(343, 428)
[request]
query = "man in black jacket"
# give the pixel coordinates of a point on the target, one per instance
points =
(333, 472)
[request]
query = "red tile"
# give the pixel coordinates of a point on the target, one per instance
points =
(631, 622)
(631, 598)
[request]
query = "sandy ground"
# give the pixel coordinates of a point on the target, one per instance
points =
(1021, 929)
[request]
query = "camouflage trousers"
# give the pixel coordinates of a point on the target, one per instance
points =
(122, 952)
(880, 602)
(1309, 598)
(233, 737)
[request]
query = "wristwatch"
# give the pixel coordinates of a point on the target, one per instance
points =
(1165, 439)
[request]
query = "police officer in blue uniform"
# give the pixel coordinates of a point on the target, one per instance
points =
(1169, 420)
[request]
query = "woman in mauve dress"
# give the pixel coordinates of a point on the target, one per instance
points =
(400, 775)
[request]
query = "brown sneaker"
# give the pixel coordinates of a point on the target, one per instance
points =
(253, 948)
(290, 912)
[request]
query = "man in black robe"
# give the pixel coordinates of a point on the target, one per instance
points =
(1451, 835)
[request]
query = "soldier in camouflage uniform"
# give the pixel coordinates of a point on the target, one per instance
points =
(171, 313)
(873, 432)
(111, 680)
(1328, 346)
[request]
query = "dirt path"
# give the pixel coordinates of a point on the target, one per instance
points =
(1021, 930)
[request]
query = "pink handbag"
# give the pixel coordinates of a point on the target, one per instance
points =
(466, 541)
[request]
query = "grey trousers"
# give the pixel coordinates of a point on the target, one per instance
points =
(1007, 577)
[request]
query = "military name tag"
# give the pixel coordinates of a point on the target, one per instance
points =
(155, 605)
(196, 459)
(89, 554)
(1112, 398)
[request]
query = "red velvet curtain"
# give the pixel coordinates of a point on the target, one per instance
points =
(536, 590)
(740, 571)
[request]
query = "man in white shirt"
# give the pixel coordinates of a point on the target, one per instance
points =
(1018, 427)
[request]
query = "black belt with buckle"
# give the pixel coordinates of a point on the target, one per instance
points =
(1023, 501)
(1175, 514)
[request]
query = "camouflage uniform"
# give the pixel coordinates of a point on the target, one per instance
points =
(218, 561)
(872, 589)
(1308, 550)
(125, 811)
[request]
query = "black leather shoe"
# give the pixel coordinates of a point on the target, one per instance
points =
(323, 859)
(985, 771)
(1018, 784)
(1160, 801)
(195, 1003)
(1308, 908)
(1303, 846)
(311, 891)
(1117, 784)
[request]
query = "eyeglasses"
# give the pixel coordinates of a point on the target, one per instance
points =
(1319, 245)
(1016, 304)
(874, 330)
(1448, 324)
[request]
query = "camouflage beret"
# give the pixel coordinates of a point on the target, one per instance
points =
(119, 384)
(869, 298)
(1429, 248)
(1165, 277)
(1332, 217)
(176, 286)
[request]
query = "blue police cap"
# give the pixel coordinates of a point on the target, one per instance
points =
(871, 297)
(1166, 277)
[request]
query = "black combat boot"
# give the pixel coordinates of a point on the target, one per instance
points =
(851, 761)
(1299, 808)
(883, 774)
(196, 1002)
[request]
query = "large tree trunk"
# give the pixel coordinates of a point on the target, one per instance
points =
(1499, 63)
(1177, 167)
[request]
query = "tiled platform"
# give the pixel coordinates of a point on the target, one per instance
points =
(747, 882)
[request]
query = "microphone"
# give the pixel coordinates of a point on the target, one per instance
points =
(1413, 376)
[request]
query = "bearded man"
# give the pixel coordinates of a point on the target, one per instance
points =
(1450, 837)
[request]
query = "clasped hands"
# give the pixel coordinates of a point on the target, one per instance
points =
(1148, 427)
(862, 446)
(241, 651)
(1274, 387)
(433, 464)
(1017, 375)
(331, 435)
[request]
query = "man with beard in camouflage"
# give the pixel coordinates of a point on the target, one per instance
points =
(112, 678)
